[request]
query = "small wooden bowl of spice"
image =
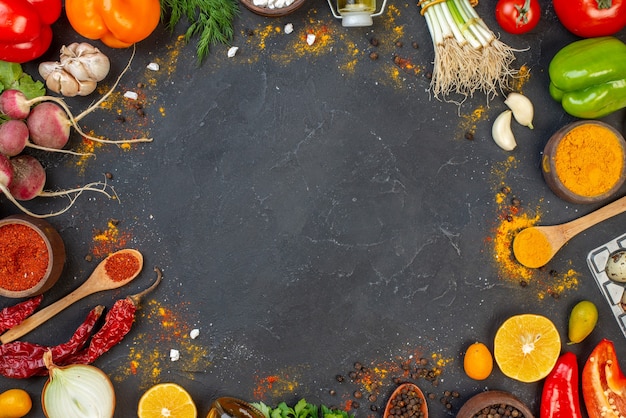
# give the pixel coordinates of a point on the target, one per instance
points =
(494, 403)
(272, 8)
(585, 162)
(32, 256)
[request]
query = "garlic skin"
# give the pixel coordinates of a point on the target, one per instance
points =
(502, 133)
(522, 108)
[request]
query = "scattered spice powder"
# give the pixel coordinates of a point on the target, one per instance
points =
(110, 240)
(470, 120)
(23, 257)
(121, 266)
(512, 217)
(277, 385)
(589, 160)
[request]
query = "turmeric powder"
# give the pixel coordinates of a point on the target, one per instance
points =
(532, 248)
(589, 160)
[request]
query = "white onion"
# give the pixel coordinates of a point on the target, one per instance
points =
(77, 391)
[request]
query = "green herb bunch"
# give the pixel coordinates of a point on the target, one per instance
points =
(302, 409)
(210, 20)
(13, 77)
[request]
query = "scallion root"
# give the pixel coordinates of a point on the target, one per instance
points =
(469, 58)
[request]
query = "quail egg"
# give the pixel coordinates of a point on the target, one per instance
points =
(616, 266)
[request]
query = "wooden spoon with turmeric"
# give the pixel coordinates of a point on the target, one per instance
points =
(533, 247)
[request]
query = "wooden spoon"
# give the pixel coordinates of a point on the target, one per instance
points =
(97, 282)
(407, 388)
(555, 236)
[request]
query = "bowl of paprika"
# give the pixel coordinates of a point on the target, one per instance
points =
(32, 256)
(585, 162)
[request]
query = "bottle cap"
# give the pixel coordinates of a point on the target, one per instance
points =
(356, 19)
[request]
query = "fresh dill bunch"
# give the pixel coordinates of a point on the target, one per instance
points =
(210, 20)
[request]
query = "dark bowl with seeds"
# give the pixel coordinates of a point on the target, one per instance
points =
(494, 403)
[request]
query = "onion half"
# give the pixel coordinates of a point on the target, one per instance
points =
(77, 391)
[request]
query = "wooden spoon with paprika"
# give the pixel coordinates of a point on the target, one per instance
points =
(533, 247)
(114, 271)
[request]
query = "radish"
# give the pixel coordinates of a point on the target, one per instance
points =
(13, 137)
(29, 177)
(23, 178)
(15, 102)
(48, 127)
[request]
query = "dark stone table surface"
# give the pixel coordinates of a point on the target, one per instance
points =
(312, 208)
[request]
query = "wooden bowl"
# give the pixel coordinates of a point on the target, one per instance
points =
(233, 407)
(490, 398)
(548, 165)
(55, 257)
(272, 12)
(412, 391)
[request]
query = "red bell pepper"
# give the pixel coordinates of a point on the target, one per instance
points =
(603, 384)
(560, 398)
(25, 32)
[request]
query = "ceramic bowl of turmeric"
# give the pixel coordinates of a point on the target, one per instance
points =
(32, 256)
(585, 162)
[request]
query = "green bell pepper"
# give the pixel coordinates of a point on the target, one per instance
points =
(588, 77)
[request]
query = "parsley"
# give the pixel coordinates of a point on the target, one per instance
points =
(12, 77)
(302, 409)
(210, 20)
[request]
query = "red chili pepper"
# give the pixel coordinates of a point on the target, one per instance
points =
(19, 359)
(25, 32)
(603, 384)
(117, 324)
(560, 396)
(13, 315)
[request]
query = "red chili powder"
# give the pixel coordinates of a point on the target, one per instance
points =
(121, 266)
(23, 257)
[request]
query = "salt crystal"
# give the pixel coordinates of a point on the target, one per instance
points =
(153, 66)
(174, 355)
(310, 39)
(232, 51)
(288, 28)
(131, 95)
(194, 333)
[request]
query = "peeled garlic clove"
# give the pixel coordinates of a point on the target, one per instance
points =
(501, 131)
(522, 108)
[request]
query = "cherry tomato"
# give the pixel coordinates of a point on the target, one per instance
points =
(518, 16)
(591, 18)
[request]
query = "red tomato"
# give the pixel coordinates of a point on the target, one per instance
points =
(518, 16)
(591, 18)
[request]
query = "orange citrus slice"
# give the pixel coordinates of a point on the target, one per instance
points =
(166, 400)
(526, 347)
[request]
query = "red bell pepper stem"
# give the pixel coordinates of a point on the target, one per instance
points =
(560, 397)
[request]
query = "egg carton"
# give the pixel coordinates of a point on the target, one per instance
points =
(612, 291)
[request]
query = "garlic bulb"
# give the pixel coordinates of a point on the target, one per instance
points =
(501, 131)
(522, 108)
(80, 68)
(85, 62)
(77, 391)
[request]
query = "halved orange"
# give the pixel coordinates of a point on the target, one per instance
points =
(166, 400)
(526, 347)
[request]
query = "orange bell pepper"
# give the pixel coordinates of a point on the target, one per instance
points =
(117, 23)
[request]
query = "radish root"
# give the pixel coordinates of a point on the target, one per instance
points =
(71, 194)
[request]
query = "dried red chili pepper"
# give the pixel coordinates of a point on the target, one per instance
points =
(10, 316)
(20, 359)
(117, 324)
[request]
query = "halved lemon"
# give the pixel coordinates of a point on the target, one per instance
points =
(166, 400)
(526, 347)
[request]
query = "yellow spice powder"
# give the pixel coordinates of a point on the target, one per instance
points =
(589, 160)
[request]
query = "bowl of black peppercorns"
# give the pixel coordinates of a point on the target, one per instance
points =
(494, 403)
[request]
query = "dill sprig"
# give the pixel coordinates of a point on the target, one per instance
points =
(210, 20)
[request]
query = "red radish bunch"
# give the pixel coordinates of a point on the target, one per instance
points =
(43, 123)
